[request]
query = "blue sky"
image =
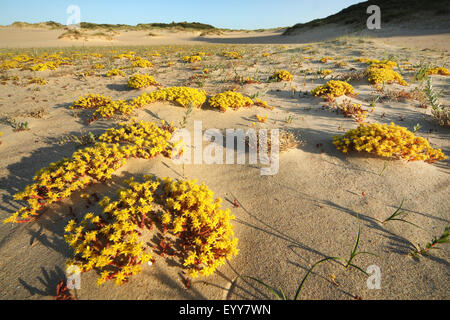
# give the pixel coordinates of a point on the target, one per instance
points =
(233, 14)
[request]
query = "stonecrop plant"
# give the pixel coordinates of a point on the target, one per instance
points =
(39, 81)
(109, 243)
(91, 101)
(94, 164)
(334, 88)
(98, 66)
(192, 59)
(438, 70)
(183, 96)
(142, 63)
(207, 235)
(105, 107)
(202, 236)
(388, 141)
(139, 81)
(232, 54)
(230, 99)
(282, 75)
(114, 73)
(384, 73)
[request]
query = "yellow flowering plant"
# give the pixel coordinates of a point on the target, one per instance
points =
(282, 75)
(93, 164)
(183, 96)
(334, 88)
(91, 101)
(192, 59)
(383, 73)
(109, 243)
(98, 66)
(202, 235)
(207, 237)
(139, 81)
(230, 99)
(388, 141)
(115, 72)
(261, 119)
(232, 54)
(39, 81)
(45, 66)
(142, 63)
(326, 59)
(438, 70)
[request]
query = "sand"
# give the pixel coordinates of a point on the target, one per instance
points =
(285, 222)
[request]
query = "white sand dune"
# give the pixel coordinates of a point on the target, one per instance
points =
(285, 222)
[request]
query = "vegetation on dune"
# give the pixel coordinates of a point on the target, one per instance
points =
(355, 16)
(188, 222)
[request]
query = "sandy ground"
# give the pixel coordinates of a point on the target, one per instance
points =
(38, 38)
(285, 222)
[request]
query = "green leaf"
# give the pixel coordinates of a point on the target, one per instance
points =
(274, 291)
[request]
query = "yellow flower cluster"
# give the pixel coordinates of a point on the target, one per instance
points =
(115, 72)
(341, 64)
(262, 119)
(192, 59)
(105, 107)
(326, 72)
(260, 103)
(383, 73)
(245, 80)
(146, 139)
(39, 81)
(91, 101)
(184, 96)
(334, 88)
(230, 99)
(326, 59)
(205, 230)
(282, 75)
(38, 63)
(61, 179)
(1, 133)
(390, 63)
(98, 66)
(126, 55)
(110, 109)
(388, 141)
(22, 58)
(139, 81)
(438, 70)
(109, 243)
(153, 54)
(142, 63)
(232, 54)
(9, 64)
(45, 66)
